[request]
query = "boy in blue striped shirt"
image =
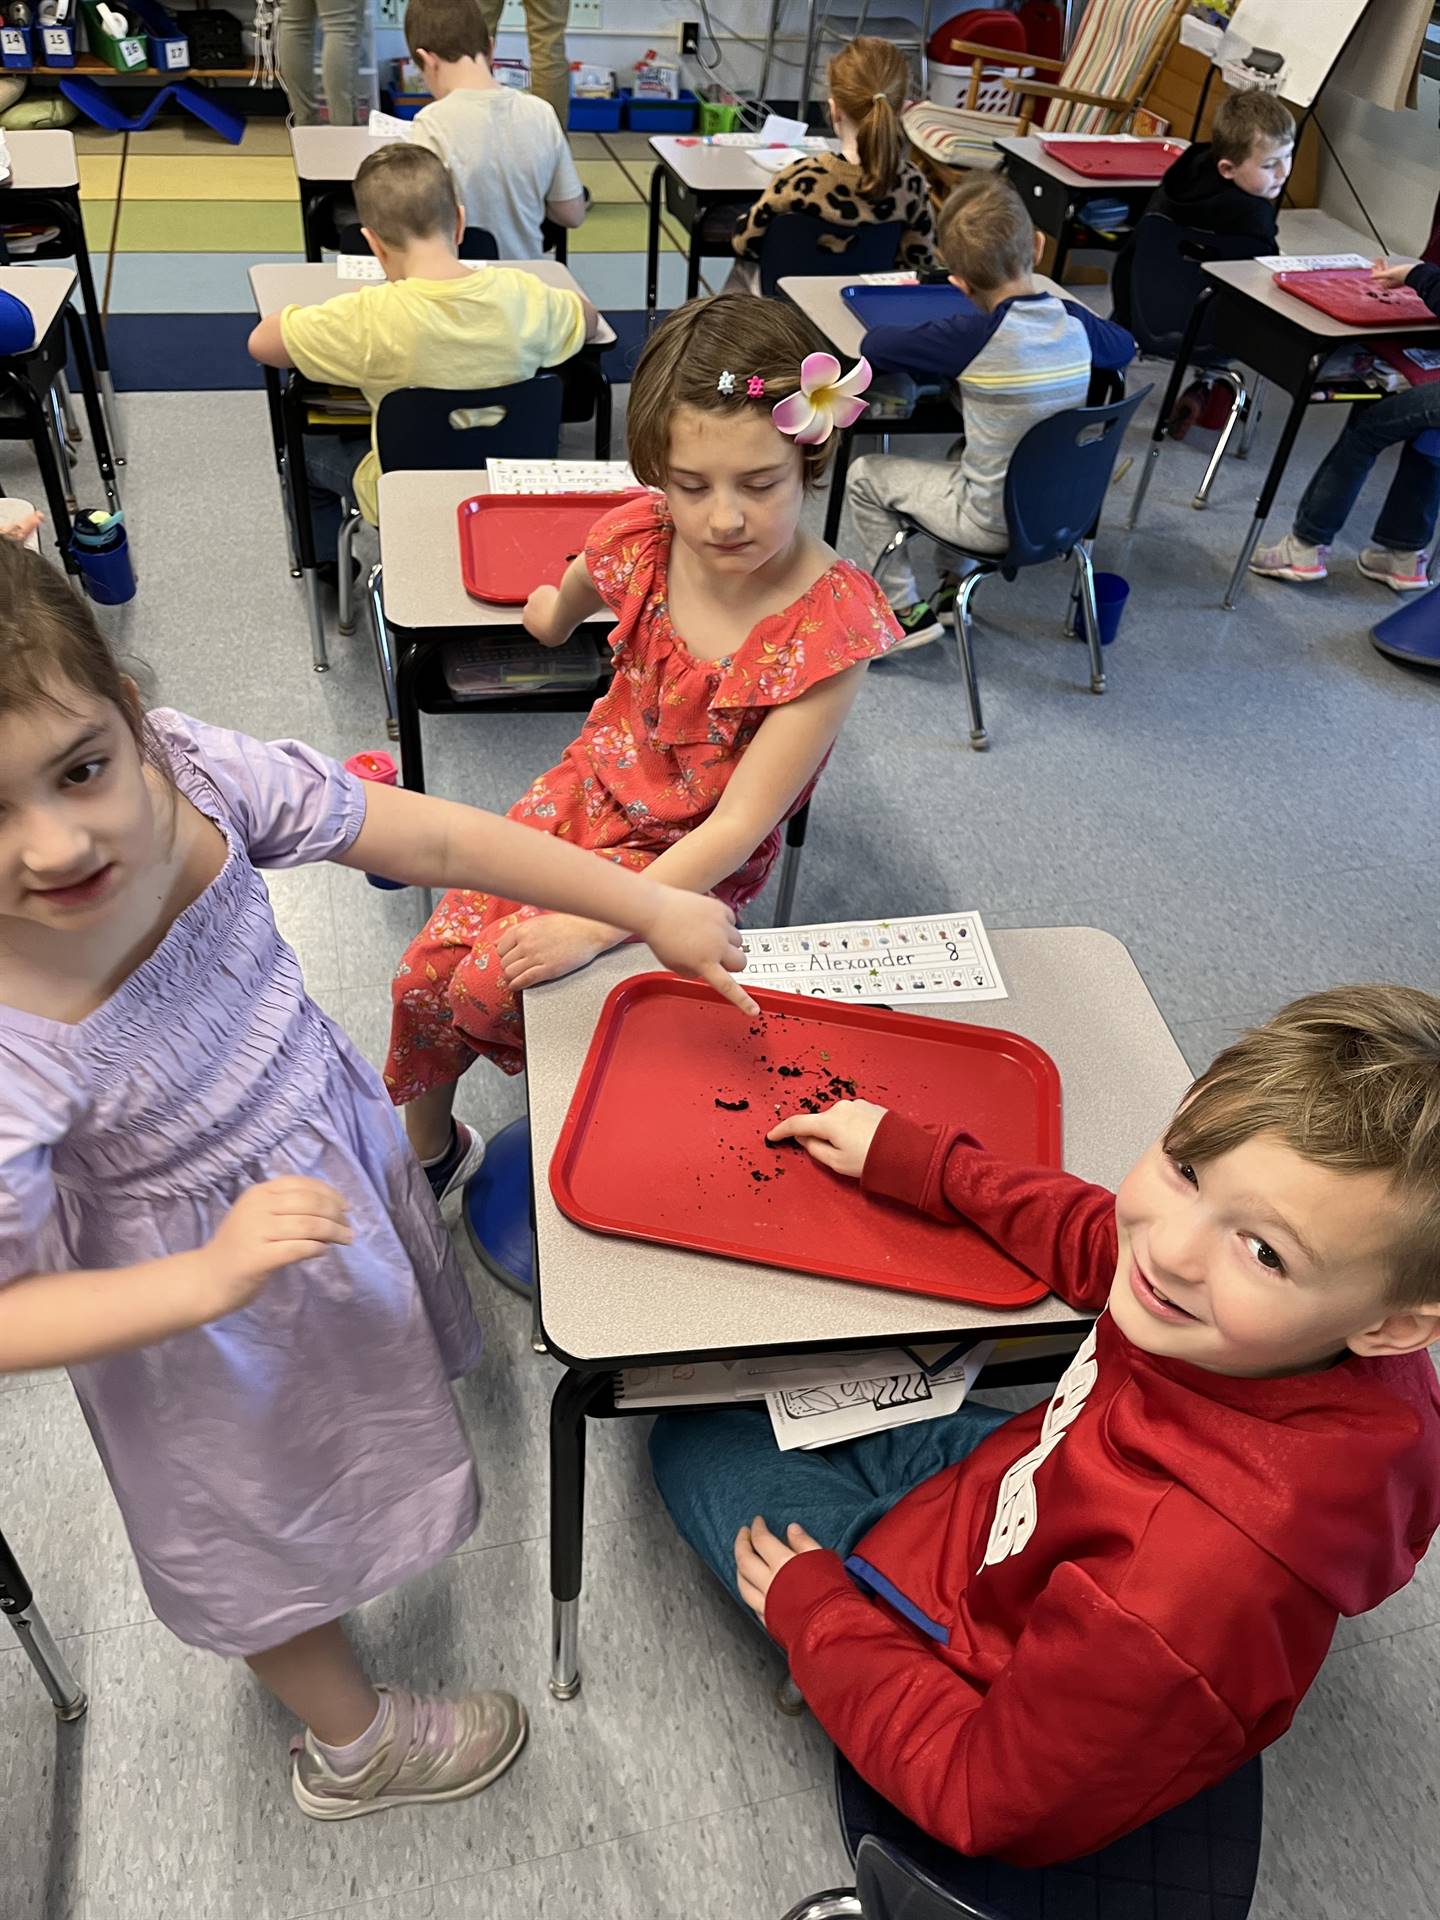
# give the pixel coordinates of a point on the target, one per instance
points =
(1016, 355)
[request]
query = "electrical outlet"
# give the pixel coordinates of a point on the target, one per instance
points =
(687, 36)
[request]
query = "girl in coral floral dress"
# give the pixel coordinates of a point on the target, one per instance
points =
(739, 644)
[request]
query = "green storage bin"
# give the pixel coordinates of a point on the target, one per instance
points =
(127, 55)
(718, 116)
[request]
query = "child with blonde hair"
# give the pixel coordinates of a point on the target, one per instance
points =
(739, 644)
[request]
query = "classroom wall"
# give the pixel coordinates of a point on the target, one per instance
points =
(1394, 160)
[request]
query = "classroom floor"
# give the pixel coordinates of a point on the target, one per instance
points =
(196, 213)
(1251, 807)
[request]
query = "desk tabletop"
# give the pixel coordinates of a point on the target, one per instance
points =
(818, 297)
(420, 552)
(604, 1299)
(44, 290)
(1306, 230)
(706, 169)
(287, 283)
(43, 159)
(1030, 147)
(333, 155)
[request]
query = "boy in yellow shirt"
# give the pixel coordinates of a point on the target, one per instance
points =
(435, 322)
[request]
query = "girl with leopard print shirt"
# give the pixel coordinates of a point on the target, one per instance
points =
(870, 181)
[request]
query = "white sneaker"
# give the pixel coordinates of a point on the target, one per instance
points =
(1290, 559)
(1402, 572)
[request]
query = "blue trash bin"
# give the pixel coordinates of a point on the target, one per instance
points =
(1111, 593)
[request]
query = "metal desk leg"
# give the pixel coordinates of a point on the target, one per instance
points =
(99, 349)
(407, 715)
(573, 1395)
(604, 417)
(276, 406)
(692, 265)
(290, 414)
(1167, 405)
(17, 1603)
(94, 413)
(1271, 487)
(652, 244)
(835, 504)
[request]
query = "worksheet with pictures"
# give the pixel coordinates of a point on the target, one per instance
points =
(927, 957)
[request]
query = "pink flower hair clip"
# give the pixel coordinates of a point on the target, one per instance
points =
(825, 400)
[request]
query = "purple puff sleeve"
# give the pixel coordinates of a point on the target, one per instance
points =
(287, 803)
(39, 1105)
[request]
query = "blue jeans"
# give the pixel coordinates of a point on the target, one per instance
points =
(718, 1468)
(330, 463)
(1407, 519)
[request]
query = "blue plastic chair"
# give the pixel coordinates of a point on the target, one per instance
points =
(434, 429)
(1197, 1862)
(1166, 278)
(1054, 490)
(795, 245)
(1411, 634)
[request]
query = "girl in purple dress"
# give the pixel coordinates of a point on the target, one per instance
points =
(208, 1209)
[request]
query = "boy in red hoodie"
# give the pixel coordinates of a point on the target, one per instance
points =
(1034, 1634)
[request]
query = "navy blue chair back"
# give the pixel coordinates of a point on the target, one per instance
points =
(476, 243)
(441, 430)
(1057, 479)
(1200, 1859)
(794, 244)
(1164, 280)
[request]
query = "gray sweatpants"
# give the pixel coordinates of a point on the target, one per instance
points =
(885, 492)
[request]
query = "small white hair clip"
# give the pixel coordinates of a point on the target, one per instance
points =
(825, 400)
(726, 383)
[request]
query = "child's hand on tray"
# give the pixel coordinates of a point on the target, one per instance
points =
(1384, 275)
(839, 1137)
(538, 618)
(760, 1554)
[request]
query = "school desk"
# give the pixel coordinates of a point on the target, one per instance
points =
(1054, 193)
(605, 1303)
(45, 188)
(29, 398)
(1284, 339)
(427, 608)
(690, 181)
(820, 298)
(277, 284)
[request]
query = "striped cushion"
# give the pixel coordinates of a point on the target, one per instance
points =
(1117, 39)
(956, 137)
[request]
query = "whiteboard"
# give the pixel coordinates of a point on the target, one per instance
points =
(1308, 34)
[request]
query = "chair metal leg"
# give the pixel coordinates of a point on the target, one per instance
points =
(979, 739)
(383, 653)
(838, 1903)
(1242, 565)
(345, 570)
(1252, 419)
(795, 830)
(17, 1603)
(319, 657)
(55, 408)
(895, 544)
(112, 416)
(1238, 405)
(1090, 619)
(67, 408)
(1142, 485)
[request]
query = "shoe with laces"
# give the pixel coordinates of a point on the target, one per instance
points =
(918, 625)
(454, 1167)
(430, 1749)
(1403, 572)
(1290, 559)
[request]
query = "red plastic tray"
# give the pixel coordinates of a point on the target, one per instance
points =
(648, 1151)
(1116, 159)
(511, 543)
(1349, 294)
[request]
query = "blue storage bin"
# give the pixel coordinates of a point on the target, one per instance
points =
(663, 116)
(16, 47)
(55, 45)
(598, 116)
(166, 46)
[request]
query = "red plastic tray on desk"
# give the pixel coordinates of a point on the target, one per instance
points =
(511, 543)
(1349, 294)
(1116, 159)
(655, 1147)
